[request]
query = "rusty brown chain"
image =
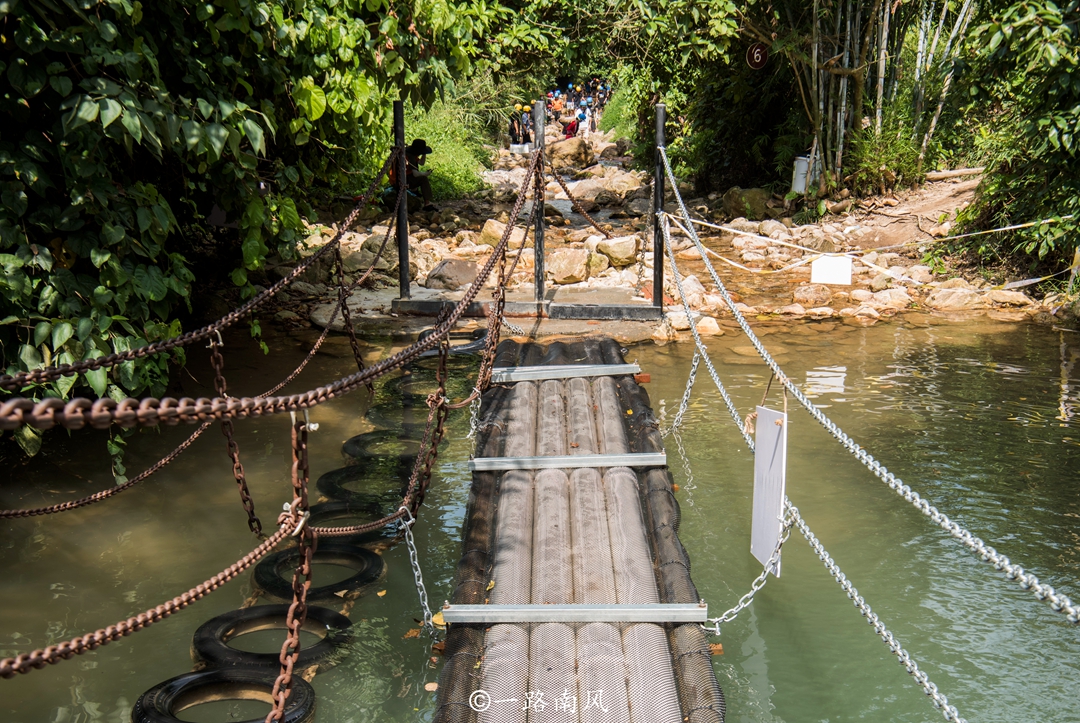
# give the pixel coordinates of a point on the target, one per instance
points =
(101, 413)
(106, 494)
(26, 662)
(576, 204)
(15, 382)
(218, 362)
(301, 582)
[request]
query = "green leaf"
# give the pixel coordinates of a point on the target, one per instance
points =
(239, 276)
(254, 134)
(41, 332)
(109, 111)
(86, 325)
(61, 84)
(29, 439)
(193, 134)
(217, 134)
(150, 283)
(60, 334)
(30, 356)
(111, 235)
(289, 217)
(130, 120)
(98, 381)
(206, 109)
(85, 112)
(310, 98)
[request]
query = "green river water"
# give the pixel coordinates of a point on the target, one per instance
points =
(980, 417)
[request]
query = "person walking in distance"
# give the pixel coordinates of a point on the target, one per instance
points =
(526, 124)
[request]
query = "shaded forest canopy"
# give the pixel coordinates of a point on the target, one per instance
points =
(125, 123)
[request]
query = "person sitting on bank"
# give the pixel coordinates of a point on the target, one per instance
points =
(415, 157)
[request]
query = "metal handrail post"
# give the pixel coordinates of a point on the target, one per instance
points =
(539, 122)
(403, 205)
(658, 207)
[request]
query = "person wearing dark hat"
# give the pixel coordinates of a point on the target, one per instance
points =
(415, 156)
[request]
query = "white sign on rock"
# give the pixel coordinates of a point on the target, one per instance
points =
(831, 270)
(770, 476)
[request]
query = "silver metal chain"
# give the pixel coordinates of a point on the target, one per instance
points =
(514, 328)
(759, 581)
(685, 403)
(940, 701)
(1057, 602)
(414, 560)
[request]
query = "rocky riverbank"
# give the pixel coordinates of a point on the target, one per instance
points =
(765, 275)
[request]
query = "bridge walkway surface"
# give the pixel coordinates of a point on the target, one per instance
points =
(573, 591)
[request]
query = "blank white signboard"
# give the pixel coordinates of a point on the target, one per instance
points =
(831, 270)
(770, 475)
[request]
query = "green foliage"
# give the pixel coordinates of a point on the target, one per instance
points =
(1029, 66)
(879, 162)
(456, 137)
(125, 122)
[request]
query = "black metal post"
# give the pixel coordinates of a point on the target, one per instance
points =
(539, 121)
(658, 207)
(403, 205)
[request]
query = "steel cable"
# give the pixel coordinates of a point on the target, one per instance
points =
(1057, 602)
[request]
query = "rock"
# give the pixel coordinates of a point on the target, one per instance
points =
(678, 320)
(492, 232)
(792, 310)
(695, 292)
(303, 288)
(598, 263)
(570, 153)
(956, 283)
(608, 198)
(569, 266)
(592, 242)
(589, 189)
(823, 244)
(862, 295)
(867, 312)
(622, 250)
(639, 206)
(839, 207)
(1009, 298)
(881, 282)
(768, 228)
(609, 152)
(812, 295)
(689, 254)
(707, 326)
(551, 211)
(286, 315)
(452, 274)
(623, 183)
(821, 312)
(749, 202)
(953, 299)
(664, 333)
(892, 299)
(527, 262)
(921, 274)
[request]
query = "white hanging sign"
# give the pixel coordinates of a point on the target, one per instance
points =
(831, 270)
(770, 476)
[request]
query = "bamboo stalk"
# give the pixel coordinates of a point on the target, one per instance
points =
(841, 124)
(883, 47)
(966, 14)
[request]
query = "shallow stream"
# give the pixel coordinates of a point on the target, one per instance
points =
(982, 418)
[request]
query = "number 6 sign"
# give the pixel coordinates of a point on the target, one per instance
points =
(757, 55)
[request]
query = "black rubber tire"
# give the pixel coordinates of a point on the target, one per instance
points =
(365, 445)
(414, 386)
(161, 703)
(391, 417)
(210, 644)
(379, 484)
(274, 574)
(332, 514)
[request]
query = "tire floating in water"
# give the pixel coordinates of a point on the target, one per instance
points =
(210, 643)
(164, 701)
(274, 574)
(382, 444)
(346, 514)
(375, 489)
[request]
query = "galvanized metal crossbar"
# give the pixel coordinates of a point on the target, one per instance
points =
(577, 613)
(566, 371)
(568, 461)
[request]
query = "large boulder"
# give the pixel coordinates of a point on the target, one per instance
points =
(569, 266)
(587, 189)
(598, 263)
(452, 274)
(812, 295)
(945, 299)
(623, 183)
(622, 250)
(1009, 298)
(639, 206)
(892, 299)
(492, 233)
(748, 202)
(570, 153)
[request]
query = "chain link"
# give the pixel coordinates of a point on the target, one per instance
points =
(295, 516)
(1057, 601)
(685, 403)
(759, 581)
(940, 701)
(218, 362)
(406, 523)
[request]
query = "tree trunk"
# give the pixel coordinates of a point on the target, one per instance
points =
(883, 48)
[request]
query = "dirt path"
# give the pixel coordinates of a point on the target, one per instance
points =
(917, 213)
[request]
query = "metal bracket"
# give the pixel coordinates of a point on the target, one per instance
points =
(568, 461)
(603, 613)
(562, 371)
